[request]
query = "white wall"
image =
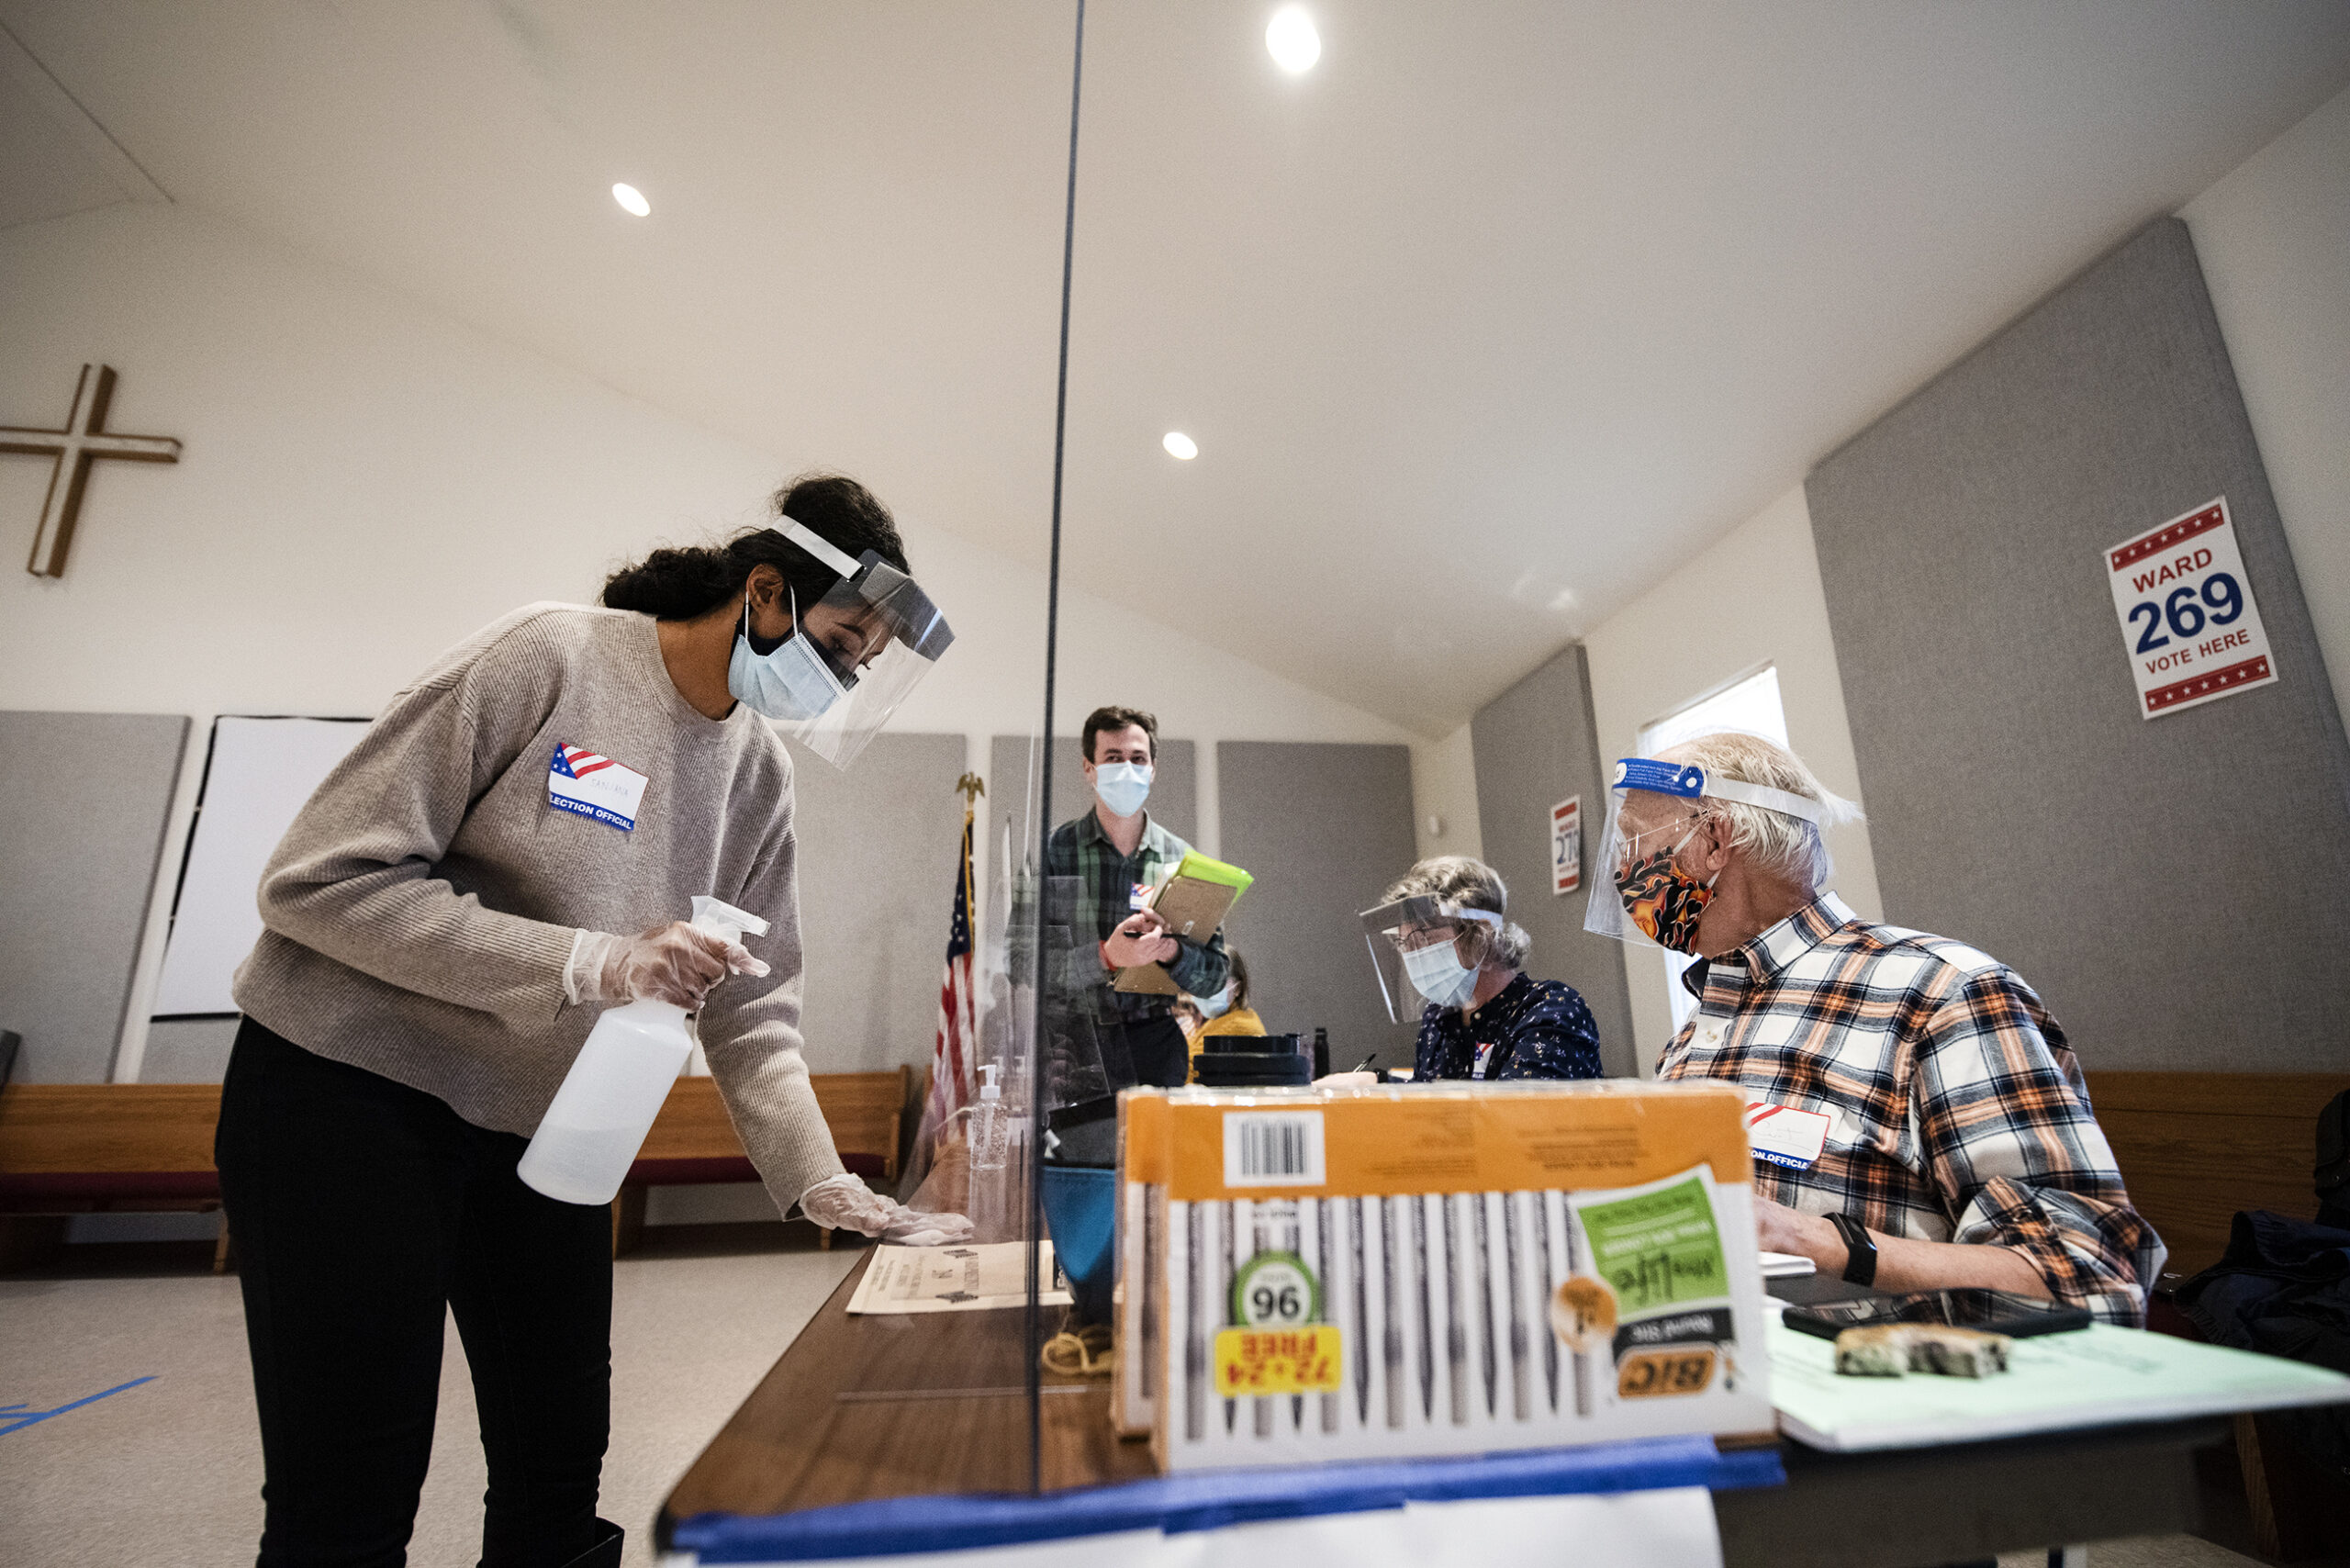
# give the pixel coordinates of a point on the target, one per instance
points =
(364, 482)
(1753, 599)
(2274, 238)
(1444, 786)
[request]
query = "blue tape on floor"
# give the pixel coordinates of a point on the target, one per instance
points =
(1176, 1504)
(17, 1418)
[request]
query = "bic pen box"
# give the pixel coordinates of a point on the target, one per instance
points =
(1316, 1274)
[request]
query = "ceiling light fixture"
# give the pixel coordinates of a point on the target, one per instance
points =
(1295, 44)
(1178, 444)
(632, 201)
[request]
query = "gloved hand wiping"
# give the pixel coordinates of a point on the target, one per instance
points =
(845, 1203)
(678, 963)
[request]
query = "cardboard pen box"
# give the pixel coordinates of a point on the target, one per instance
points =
(1316, 1274)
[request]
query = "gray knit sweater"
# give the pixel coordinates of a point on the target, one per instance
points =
(421, 909)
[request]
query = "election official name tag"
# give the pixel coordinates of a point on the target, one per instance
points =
(1784, 1136)
(587, 785)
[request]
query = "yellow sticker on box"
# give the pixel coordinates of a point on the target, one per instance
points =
(1278, 1361)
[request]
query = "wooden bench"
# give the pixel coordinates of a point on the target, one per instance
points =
(69, 1148)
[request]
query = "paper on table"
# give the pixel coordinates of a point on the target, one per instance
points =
(955, 1279)
(2096, 1376)
(1787, 1266)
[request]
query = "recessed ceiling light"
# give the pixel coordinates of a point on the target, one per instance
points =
(1295, 44)
(632, 200)
(1178, 444)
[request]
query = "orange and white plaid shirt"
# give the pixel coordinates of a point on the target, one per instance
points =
(1956, 1112)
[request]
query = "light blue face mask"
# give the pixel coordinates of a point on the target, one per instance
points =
(1216, 1005)
(1123, 786)
(791, 681)
(1436, 974)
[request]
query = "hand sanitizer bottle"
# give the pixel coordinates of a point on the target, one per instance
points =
(597, 1121)
(991, 1134)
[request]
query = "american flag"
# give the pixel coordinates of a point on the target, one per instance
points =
(578, 761)
(950, 1067)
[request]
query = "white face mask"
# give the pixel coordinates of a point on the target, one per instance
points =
(1123, 786)
(791, 682)
(1436, 974)
(1214, 1006)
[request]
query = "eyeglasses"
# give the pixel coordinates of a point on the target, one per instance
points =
(1627, 844)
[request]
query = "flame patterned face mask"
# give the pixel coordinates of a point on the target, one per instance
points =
(1663, 900)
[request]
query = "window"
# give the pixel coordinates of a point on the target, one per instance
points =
(1750, 703)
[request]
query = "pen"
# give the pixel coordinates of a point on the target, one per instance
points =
(1485, 1301)
(1364, 1065)
(1322, 1255)
(1428, 1326)
(1231, 1262)
(1456, 1333)
(1521, 1402)
(1393, 1337)
(1582, 1358)
(1195, 1345)
(1363, 1322)
(1550, 1294)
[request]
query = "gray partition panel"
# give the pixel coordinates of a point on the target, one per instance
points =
(1536, 744)
(1323, 828)
(1174, 790)
(188, 1050)
(876, 886)
(89, 796)
(2172, 886)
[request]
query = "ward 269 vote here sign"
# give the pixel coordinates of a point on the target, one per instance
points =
(2187, 612)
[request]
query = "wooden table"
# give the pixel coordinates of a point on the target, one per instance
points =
(889, 1406)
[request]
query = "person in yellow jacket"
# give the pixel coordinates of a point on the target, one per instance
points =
(1224, 1013)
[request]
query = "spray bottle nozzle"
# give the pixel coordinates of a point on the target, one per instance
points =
(724, 920)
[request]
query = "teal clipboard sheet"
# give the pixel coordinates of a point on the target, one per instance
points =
(2099, 1376)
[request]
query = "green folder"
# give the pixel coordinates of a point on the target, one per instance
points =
(1201, 869)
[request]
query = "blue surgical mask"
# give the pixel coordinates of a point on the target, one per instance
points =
(1123, 786)
(790, 681)
(1216, 1005)
(1436, 974)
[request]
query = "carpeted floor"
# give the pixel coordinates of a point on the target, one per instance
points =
(169, 1471)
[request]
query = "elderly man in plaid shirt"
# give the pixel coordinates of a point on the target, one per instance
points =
(1919, 1122)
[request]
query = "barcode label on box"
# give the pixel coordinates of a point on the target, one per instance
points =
(1273, 1148)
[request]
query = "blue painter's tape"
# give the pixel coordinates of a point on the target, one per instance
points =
(1178, 1505)
(18, 1419)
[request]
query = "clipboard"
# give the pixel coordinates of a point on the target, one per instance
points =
(1193, 901)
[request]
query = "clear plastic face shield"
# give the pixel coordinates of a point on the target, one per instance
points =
(876, 634)
(1421, 947)
(1646, 893)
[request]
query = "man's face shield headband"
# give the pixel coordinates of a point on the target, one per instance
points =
(1426, 928)
(878, 633)
(1654, 810)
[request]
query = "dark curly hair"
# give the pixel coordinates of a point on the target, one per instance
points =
(680, 584)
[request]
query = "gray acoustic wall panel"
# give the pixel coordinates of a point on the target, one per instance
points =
(1536, 744)
(2172, 886)
(1323, 828)
(877, 884)
(89, 795)
(1174, 790)
(188, 1050)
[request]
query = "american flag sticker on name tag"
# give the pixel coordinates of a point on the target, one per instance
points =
(587, 785)
(1784, 1136)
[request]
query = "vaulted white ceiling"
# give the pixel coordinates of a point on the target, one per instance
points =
(1481, 325)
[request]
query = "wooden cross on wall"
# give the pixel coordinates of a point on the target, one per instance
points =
(83, 441)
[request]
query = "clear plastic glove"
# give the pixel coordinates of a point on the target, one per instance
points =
(845, 1203)
(1356, 1079)
(678, 963)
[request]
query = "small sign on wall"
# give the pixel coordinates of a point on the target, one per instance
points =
(1566, 846)
(2187, 616)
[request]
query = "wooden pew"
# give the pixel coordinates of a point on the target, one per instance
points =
(68, 1148)
(2194, 1148)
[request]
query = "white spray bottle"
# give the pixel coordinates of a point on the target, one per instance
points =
(597, 1121)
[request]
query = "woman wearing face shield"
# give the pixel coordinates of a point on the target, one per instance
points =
(505, 855)
(1443, 932)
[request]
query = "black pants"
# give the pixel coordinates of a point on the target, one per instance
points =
(361, 1209)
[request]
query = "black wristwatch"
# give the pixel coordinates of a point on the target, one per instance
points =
(1860, 1253)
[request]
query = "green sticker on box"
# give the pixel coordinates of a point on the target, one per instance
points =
(1659, 1248)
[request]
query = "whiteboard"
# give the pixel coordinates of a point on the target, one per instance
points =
(261, 772)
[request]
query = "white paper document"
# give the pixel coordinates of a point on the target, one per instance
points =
(955, 1279)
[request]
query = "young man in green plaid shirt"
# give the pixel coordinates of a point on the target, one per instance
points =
(1096, 869)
